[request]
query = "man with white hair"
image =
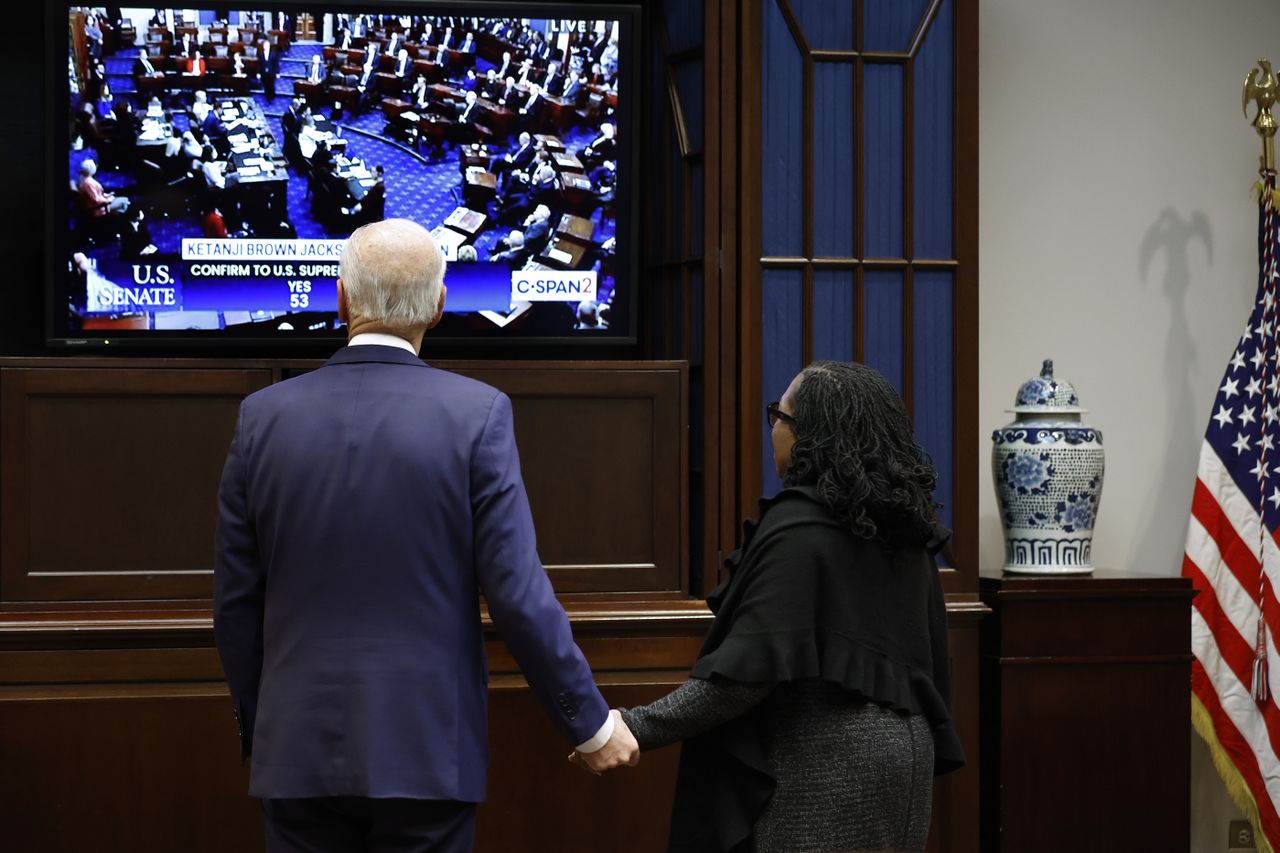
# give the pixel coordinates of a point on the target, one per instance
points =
(378, 495)
(95, 200)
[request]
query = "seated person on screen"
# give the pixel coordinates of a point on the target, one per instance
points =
(513, 254)
(238, 66)
(93, 198)
(531, 109)
(143, 67)
(316, 74)
(553, 83)
(371, 208)
(573, 88)
(603, 147)
(200, 107)
(537, 229)
(505, 67)
(195, 66)
(490, 86)
(589, 315)
(508, 94)
(469, 81)
(526, 74)
(468, 44)
(418, 97)
(403, 65)
(135, 238)
(516, 160)
(345, 43)
(468, 111)
(213, 225)
(467, 254)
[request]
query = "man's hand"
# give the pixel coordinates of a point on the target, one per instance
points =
(621, 749)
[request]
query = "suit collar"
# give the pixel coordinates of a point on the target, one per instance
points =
(374, 353)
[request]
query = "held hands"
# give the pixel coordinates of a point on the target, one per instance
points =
(621, 749)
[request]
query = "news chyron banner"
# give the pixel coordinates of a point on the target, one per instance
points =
(222, 275)
(282, 276)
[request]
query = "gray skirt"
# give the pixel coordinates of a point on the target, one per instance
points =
(850, 775)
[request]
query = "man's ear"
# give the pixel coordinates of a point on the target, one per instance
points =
(344, 313)
(439, 309)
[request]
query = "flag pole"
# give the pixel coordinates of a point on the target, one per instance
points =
(1263, 89)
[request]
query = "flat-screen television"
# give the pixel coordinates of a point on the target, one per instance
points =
(209, 164)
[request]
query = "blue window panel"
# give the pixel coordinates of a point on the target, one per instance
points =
(688, 76)
(208, 18)
(932, 393)
(782, 149)
(934, 128)
(890, 24)
(883, 151)
(833, 315)
(684, 25)
(826, 24)
(781, 353)
(833, 164)
(882, 291)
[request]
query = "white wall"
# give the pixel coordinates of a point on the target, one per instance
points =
(1119, 239)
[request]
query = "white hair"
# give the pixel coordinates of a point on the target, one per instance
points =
(392, 273)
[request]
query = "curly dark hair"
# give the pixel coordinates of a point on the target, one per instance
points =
(855, 444)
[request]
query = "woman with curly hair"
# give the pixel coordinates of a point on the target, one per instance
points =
(817, 712)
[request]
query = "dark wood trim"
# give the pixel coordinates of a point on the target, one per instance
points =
(750, 225)
(965, 297)
(908, 234)
(786, 262)
(732, 265)
(859, 193)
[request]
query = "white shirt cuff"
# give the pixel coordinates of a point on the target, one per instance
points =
(601, 737)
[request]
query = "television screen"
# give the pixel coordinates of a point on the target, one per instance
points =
(216, 160)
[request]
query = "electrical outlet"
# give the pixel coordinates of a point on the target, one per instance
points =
(1240, 835)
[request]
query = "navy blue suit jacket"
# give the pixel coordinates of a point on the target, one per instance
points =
(362, 508)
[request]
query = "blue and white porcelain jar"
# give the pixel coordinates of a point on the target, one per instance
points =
(1047, 467)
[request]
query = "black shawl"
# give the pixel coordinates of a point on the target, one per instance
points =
(806, 598)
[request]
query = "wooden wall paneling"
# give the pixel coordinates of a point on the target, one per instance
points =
(110, 479)
(604, 452)
(121, 726)
(127, 456)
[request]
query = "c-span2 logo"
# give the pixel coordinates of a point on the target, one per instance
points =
(552, 286)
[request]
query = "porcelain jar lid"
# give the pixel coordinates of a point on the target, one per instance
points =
(1044, 393)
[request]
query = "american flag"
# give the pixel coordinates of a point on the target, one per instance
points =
(1233, 558)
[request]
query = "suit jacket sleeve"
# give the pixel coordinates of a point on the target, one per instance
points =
(521, 601)
(239, 587)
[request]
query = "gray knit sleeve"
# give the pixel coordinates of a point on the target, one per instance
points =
(694, 707)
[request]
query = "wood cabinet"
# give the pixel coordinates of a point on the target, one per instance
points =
(1086, 713)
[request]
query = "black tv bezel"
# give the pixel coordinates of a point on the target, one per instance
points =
(220, 343)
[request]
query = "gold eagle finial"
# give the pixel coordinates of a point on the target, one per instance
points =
(1263, 88)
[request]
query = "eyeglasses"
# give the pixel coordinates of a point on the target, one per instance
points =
(776, 414)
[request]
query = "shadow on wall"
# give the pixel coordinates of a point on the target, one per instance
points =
(1170, 485)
